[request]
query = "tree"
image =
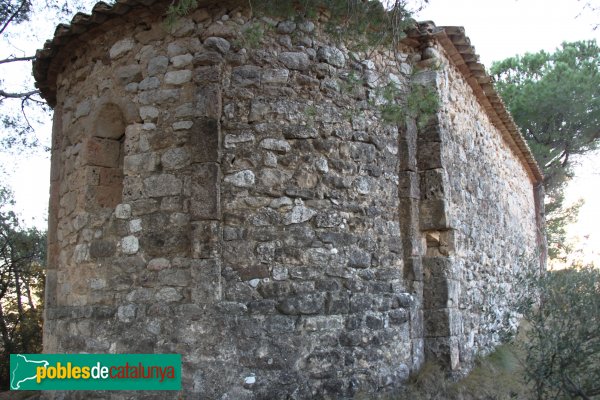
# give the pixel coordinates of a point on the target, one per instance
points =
(22, 262)
(562, 350)
(555, 100)
(21, 107)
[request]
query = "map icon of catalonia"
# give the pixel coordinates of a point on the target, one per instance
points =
(23, 368)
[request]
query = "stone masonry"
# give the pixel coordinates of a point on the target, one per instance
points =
(247, 206)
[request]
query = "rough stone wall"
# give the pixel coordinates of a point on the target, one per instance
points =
(245, 205)
(238, 206)
(479, 222)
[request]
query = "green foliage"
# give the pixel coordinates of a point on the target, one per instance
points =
(421, 103)
(367, 23)
(252, 36)
(178, 9)
(562, 346)
(555, 100)
(22, 261)
(14, 11)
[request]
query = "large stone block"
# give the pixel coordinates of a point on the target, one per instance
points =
(433, 215)
(440, 293)
(429, 155)
(205, 239)
(204, 191)
(443, 322)
(102, 152)
(204, 140)
(208, 101)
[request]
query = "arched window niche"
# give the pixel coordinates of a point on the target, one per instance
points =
(104, 158)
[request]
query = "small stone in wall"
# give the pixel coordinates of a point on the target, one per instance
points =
(182, 60)
(83, 109)
(276, 145)
(331, 55)
(130, 245)
(178, 77)
(298, 214)
(286, 27)
(241, 179)
(275, 76)
(149, 83)
(168, 294)
(157, 264)
(321, 165)
(299, 132)
(182, 125)
(158, 65)
(123, 211)
(216, 43)
(126, 313)
(135, 225)
(148, 113)
(295, 60)
(306, 26)
(120, 48)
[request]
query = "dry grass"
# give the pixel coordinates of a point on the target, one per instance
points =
(499, 376)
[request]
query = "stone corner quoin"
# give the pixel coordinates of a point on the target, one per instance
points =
(246, 203)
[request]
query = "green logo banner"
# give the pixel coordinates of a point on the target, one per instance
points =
(95, 372)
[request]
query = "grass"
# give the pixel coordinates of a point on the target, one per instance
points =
(499, 376)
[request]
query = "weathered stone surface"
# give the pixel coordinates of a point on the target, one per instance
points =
(217, 43)
(162, 185)
(204, 202)
(275, 145)
(178, 77)
(331, 55)
(121, 47)
(158, 65)
(228, 190)
(299, 132)
(182, 60)
(286, 27)
(204, 140)
(241, 179)
(294, 60)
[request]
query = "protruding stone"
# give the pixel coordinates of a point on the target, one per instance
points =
(130, 245)
(120, 48)
(149, 113)
(217, 43)
(299, 214)
(242, 179)
(276, 145)
(299, 132)
(123, 211)
(178, 77)
(331, 55)
(295, 60)
(182, 60)
(158, 65)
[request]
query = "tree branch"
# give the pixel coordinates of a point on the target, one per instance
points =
(18, 95)
(13, 16)
(15, 59)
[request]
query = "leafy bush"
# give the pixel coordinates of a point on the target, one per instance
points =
(562, 346)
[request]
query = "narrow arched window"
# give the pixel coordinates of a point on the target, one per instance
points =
(104, 156)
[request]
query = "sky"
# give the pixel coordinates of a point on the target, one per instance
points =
(502, 29)
(497, 28)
